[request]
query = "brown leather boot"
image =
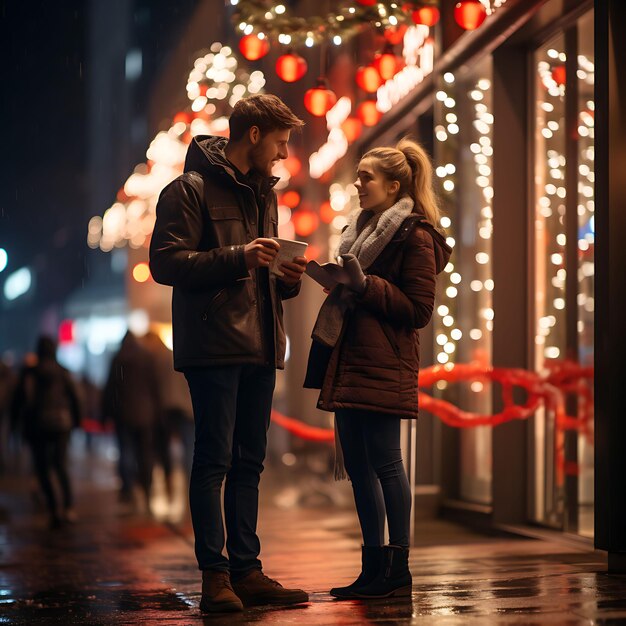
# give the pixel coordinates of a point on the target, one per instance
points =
(217, 593)
(256, 589)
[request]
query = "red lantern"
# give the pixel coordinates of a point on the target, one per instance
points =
(469, 14)
(387, 63)
(395, 34)
(253, 47)
(352, 128)
(291, 67)
(427, 16)
(305, 222)
(558, 74)
(368, 113)
(320, 99)
(368, 78)
(367, 3)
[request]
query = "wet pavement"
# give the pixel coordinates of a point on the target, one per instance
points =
(117, 567)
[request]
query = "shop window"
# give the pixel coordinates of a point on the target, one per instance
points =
(463, 322)
(564, 269)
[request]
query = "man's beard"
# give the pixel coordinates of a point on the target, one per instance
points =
(259, 165)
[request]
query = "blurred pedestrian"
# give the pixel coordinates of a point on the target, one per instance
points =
(177, 410)
(365, 353)
(131, 398)
(91, 402)
(23, 463)
(46, 407)
(212, 242)
(7, 385)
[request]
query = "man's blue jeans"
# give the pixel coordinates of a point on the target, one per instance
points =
(232, 407)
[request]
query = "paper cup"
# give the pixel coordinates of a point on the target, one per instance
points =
(289, 250)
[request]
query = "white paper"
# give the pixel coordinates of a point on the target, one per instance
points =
(289, 250)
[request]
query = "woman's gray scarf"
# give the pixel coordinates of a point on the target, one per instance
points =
(367, 241)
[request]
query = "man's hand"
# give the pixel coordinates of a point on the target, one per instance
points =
(293, 271)
(260, 252)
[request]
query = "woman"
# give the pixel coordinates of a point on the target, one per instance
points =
(365, 353)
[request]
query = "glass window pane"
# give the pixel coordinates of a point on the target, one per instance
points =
(564, 203)
(464, 317)
(586, 238)
(549, 246)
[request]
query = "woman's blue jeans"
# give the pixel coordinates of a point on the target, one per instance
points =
(373, 459)
(232, 407)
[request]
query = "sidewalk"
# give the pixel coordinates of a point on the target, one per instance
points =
(112, 568)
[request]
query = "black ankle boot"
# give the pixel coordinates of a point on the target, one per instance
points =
(371, 557)
(394, 577)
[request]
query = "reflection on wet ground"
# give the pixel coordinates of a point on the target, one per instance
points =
(111, 568)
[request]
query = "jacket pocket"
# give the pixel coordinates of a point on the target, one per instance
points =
(390, 337)
(228, 324)
(216, 302)
(225, 213)
(225, 226)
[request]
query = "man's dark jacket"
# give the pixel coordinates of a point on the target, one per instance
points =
(204, 219)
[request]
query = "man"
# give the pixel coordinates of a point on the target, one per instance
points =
(46, 407)
(212, 243)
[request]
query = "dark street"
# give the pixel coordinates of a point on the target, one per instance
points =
(251, 246)
(113, 567)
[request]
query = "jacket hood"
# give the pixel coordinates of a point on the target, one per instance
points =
(442, 250)
(205, 153)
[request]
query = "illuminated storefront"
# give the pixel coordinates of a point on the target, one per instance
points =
(508, 115)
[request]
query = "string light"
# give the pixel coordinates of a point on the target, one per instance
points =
(343, 22)
(479, 282)
(551, 239)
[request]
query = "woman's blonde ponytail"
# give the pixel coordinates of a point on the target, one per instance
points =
(421, 188)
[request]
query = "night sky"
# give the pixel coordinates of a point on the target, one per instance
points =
(43, 187)
(42, 190)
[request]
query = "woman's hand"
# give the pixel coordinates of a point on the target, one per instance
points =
(356, 277)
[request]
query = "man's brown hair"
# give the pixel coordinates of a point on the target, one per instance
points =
(265, 111)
